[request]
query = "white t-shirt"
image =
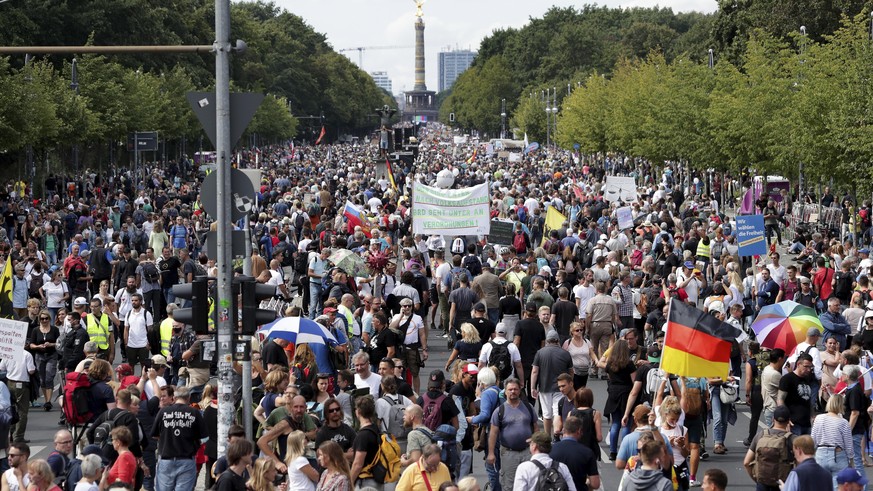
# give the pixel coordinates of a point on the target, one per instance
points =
(137, 336)
(54, 294)
(514, 355)
(297, 480)
(583, 294)
(148, 386)
(373, 382)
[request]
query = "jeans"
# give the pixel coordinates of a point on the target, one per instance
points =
(719, 417)
(466, 467)
(767, 417)
(176, 475)
(616, 431)
(833, 460)
(493, 315)
(800, 430)
(859, 459)
(52, 258)
(493, 472)
(314, 298)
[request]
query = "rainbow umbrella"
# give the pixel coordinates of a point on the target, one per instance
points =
(784, 325)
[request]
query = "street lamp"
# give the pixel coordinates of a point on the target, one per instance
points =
(502, 118)
(74, 84)
(711, 59)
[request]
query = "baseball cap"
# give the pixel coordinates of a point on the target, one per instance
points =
(436, 378)
(406, 301)
(159, 360)
(689, 264)
(851, 475)
(717, 306)
(530, 307)
(471, 368)
(553, 336)
(813, 331)
(95, 450)
(654, 354)
(864, 251)
(479, 307)
(781, 414)
(501, 328)
(80, 301)
(331, 309)
(868, 314)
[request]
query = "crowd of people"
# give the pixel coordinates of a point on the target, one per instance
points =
(528, 325)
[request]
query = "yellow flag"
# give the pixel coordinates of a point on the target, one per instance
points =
(554, 220)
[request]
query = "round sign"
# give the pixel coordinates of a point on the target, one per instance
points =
(445, 179)
(242, 195)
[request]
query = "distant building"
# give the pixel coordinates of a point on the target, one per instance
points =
(382, 80)
(452, 64)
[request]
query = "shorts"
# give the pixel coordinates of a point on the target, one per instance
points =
(695, 429)
(549, 403)
(412, 357)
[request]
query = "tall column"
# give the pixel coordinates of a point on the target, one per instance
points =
(419, 55)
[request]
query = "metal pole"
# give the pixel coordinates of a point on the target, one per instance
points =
(223, 247)
(247, 363)
(31, 167)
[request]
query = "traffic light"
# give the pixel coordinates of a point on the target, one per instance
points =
(198, 314)
(252, 315)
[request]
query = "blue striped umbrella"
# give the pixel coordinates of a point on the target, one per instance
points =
(297, 330)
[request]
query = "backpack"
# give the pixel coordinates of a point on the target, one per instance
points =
(432, 411)
(456, 279)
(772, 461)
(653, 381)
(301, 262)
(582, 253)
(691, 400)
(446, 436)
(68, 481)
(473, 265)
(536, 225)
(77, 391)
(199, 270)
(139, 242)
(150, 272)
(843, 286)
(394, 424)
(385, 467)
(500, 359)
(550, 478)
(61, 479)
(298, 222)
(519, 243)
(101, 432)
(501, 411)
(36, 281)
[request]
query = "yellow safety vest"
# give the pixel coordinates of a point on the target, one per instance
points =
(702, 250)
(166, 336)
(99, 333)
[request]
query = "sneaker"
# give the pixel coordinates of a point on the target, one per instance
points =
(747, 443)
(704, 455)
(445, 336)
(694, 484)
(612, 456)
(47, 406)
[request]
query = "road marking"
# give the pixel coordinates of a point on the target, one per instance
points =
(36, 449)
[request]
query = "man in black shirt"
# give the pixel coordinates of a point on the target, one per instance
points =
(795, 392)
(465, 393)
(169, 267)
(335, 429)
(383, 343)
(239, 456)
(564, 313)
(856, 410)
(530, 336)
(386, 369)
(366, 443)
(481, 322)
(179, 429)
(273, 354)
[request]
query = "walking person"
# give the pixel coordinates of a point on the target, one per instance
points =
(833, 438)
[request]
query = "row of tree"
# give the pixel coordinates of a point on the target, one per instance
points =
(117, 95)
(787, 105)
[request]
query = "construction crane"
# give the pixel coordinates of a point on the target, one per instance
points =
(361, 49)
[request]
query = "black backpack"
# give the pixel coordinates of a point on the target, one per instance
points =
(582, 253)
(301, 262)
(150, 272)
(102, 431)
(500, 359)
(473, 265)
(550, 478)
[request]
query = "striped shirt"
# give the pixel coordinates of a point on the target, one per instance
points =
(830, 431)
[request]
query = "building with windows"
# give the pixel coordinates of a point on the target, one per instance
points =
(452, 64)
(382, 81)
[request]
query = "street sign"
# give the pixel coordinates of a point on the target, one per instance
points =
(243, 107)
(145, 141)
(238, 242)
(255, 176)
(242, 195)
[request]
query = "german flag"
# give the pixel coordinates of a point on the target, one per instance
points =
(390, 174)
(697, 344)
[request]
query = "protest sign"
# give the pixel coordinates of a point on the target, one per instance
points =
(13, 335)
(501, 233)
(450, 211)
(750, 235)
(625, 218)
(620, 188)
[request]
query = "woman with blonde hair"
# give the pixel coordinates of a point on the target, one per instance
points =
(336, 468)
(581, 352)
(41, 476)
(467, 348)
(263, 475)
(671, 428)
(833, 438)
(301, 475)
(275, 384)
(304, 366)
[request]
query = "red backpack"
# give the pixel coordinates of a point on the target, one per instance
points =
(77, 391)
(433, 414)
(519, 243)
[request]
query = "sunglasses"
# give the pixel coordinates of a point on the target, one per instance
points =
(334, 410)
(45, 318)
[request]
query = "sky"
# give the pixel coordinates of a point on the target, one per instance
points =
(454, 24)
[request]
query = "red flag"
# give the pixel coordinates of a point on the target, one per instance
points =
(320, 136)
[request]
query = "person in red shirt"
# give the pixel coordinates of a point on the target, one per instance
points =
(822, 279)
(124, 468)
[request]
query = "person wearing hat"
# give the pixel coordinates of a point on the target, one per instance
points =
(549, 362)
(154, 377)
(430, 401)
(781, 426)
(865, 265)
(851, 479)
(692, 281)
(528, 474)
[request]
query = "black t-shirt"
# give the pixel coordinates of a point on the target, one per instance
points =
(797, 398)
(380, 343)
(230, 481)
(510, 306)
(532, 335)
(565, 312)
(656, 319)
(179, 429)
(189, 268)
(467, 396)
(367, 440)
(343, 434)
(170, 271)
(402, 388)
(484, 326)
(856, 401)
(272, 353)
